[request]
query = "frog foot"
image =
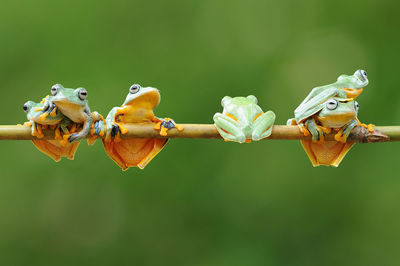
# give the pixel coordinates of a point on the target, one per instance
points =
(28, 124)
(340, 136)
(43, 116)
(370, 127)
(165, 124)
(303, 129)
(64, 142)
(98, 124)
(39, 132)
(57, 134)
(53, 113)
(113, 132)
(44, 99)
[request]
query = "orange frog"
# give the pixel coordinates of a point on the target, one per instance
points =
(137, 108)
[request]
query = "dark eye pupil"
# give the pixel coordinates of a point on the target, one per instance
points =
(25, 107)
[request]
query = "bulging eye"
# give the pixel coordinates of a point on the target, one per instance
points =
(25, 107)
(54, 90)
(362, 74)
(331, 104)
(356, 105)
(82, 94)
(134, 88)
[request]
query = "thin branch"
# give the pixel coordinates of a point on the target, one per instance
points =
(208, 131)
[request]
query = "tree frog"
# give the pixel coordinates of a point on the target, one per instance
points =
(137, 108)
(242, 120)
(73, 104)
(345, 87)
(337, 114)
(53, 148)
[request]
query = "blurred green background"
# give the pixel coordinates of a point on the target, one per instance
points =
(200, 202)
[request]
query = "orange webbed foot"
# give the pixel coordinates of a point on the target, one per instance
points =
(340, 137)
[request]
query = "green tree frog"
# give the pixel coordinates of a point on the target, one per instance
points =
(73, 104)
(138, 108)
(337, 114)
(242, 120)
(58, 148)
(345, 87)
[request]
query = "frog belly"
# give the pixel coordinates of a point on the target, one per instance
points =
(136, 152)
(77, 115)
(330, 153)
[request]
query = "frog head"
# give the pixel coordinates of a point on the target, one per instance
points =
(70, 98)
(338, 112)
(29, 108)
(357, 81)
(138, 94)
(35, 110)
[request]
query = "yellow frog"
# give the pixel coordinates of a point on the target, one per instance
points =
(137, 108)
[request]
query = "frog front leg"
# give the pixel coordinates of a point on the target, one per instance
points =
(85, 130)
(112, 128)
(228, 128)
(263, 125)
(165, 124)
(344, 132)
(317, 132)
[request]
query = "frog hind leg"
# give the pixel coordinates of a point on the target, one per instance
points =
(133, 152)
(329, 153)
(228, 128)
(263, 125)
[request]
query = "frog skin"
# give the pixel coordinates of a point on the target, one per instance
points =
(58, 148)
(137, 108)
(71, 103)
(345, 87)
(242, 120)
(339, 115)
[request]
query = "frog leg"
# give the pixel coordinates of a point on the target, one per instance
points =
(344, 132)
(96, 128)
(370, 127)
(84, 131)
(39, 131)
(28, 124)
(263, 125)
(163, 125)
(317, 132)
(229, 128)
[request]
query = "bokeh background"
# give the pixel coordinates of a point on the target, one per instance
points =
(200, 202)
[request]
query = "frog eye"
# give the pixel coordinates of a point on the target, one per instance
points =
(25, 107)
(82, 94)
(362, 74)
(356, 105)
(331, 104)
(54, 90)
(134, 88)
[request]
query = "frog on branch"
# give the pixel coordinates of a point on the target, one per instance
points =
(73, 104)
(339, 115)
(242, 120)
(137, 108)
(58, 148)
(345, 87)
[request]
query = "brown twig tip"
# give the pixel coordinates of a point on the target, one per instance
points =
(209, 131)
(362, 135)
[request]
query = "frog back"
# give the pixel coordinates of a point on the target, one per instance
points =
(313, 105)
(242, 109)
